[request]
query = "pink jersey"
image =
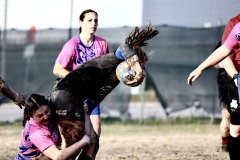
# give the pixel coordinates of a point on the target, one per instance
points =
(36, 138)
(74, 52)
(236, 53)
(233, 42)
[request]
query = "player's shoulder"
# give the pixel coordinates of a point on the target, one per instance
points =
(72, 42)
(74, 39)
(97, 38)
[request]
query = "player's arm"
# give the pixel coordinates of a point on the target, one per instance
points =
(228, 61)
(217, 56)
(10, 93)
(59, 71)
(229, 66)
(64, 57)
(54, 153)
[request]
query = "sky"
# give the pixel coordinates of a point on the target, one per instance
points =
(21, 14)
(44, 14)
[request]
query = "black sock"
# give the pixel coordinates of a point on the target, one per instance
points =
(225, 140)
(233, 148)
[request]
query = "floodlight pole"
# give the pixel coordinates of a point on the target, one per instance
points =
(142, 101)
(3, 55)
(70, 25)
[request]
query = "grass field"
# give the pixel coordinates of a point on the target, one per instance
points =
(141, 142)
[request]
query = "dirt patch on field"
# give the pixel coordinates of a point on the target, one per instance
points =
(141, 142)
(185, 142)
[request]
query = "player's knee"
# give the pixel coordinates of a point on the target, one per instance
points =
(225, 114)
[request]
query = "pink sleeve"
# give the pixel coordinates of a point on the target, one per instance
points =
(106, 46)
(232, 41)
(102, 45)
(227, 30)
(66, 54)
(40, 138)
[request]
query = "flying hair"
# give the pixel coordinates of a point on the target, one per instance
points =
(138, 37)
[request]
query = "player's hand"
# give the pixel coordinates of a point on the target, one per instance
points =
(136, 73)
(137, 80)
(193, 76)
(20, 100)
(85, 106)
(86, 139)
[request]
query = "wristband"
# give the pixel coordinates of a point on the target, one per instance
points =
(235, 76)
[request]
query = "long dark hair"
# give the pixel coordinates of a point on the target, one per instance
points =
(33, 103)
(138, 37)
(82, 16)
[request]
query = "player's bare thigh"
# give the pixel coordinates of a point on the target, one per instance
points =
(234, 130)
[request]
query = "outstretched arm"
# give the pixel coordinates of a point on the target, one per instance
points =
(217, 56)
(10, 93)
(54, 153)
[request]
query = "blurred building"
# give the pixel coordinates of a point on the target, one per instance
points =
(118, 13)
(189, 13)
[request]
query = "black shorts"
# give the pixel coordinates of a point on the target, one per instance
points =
(228, 92)
(233, 103)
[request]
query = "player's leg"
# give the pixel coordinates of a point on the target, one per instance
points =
(93, 129)
(233, 147)
(224, 127)
(90, 151)
(223, 81)
(234, 110)
(234, 142)
(96, 122)
(94, 112)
